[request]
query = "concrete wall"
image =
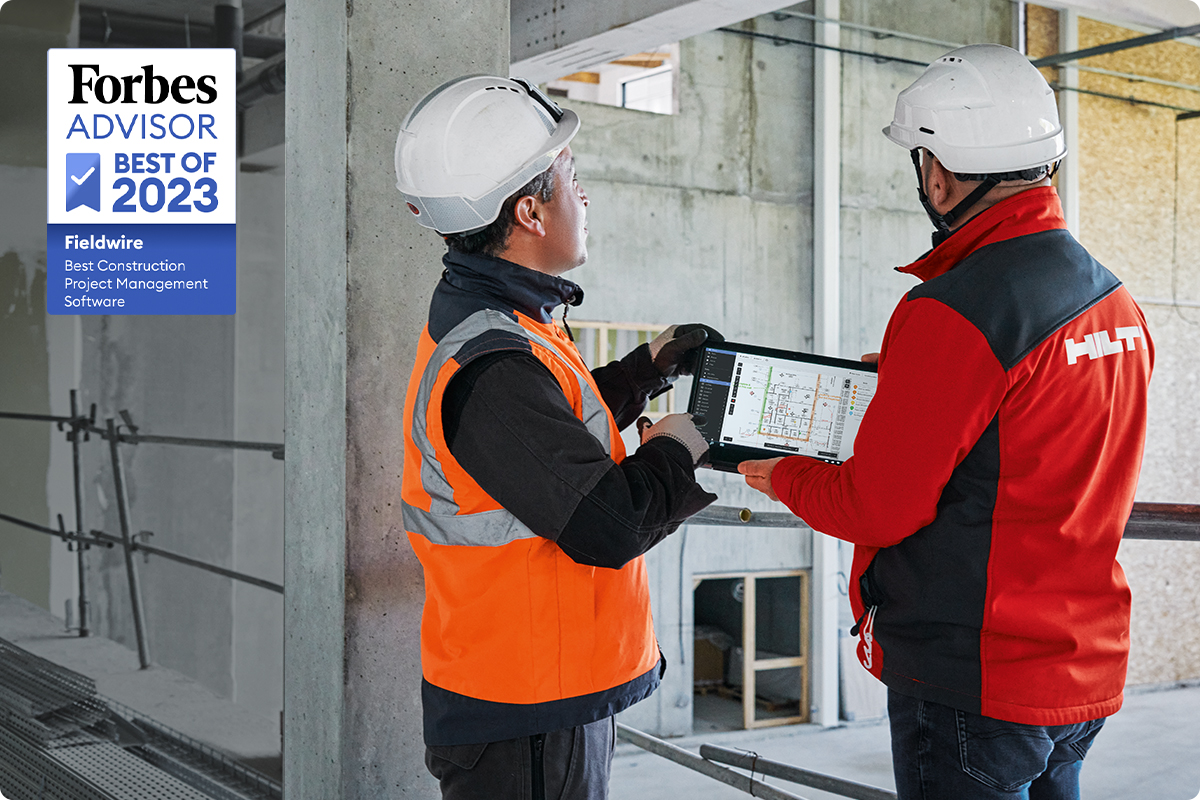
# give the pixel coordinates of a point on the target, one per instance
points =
(212, 377)
(705, 215)
(30, 564)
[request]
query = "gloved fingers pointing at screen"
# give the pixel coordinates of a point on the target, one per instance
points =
(674, 351)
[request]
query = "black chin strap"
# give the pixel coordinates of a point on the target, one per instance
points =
(943, 222)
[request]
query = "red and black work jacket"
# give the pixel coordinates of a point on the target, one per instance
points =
(528, 519)
(993, 475)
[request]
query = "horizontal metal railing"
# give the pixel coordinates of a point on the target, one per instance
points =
(80, 427)
(1153, 521)
(1172, 522)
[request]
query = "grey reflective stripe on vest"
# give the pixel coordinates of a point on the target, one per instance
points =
(442, 524)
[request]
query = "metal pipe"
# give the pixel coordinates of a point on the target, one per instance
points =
(788, 40)
(262, 80)
(80, 561)
(270, 15)
(694, 762)
(102, 539)
(228, 24)
(138, 438)
(97, 25)
(879, 32)
(1113, 47)
(1130, 99)
(191, 562)
(1165, 522)
(35, 417)
(730, 515)
(135, 592)
(775, 769)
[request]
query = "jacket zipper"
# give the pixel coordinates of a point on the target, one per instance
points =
(537, 749)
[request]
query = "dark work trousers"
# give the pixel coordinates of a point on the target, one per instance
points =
(941, 753)
(569, 764)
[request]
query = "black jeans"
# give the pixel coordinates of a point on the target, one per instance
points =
(570, 764)
(941, 753)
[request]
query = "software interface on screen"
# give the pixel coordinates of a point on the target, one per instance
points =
(781, 405)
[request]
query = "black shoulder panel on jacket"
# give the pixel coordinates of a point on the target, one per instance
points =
(451, 305)
(1020, 291)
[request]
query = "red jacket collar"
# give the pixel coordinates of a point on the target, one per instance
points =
(1031, 211)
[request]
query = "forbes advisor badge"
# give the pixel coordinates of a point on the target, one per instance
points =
(141, 218)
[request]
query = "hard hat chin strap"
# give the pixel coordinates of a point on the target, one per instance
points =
(944, 222)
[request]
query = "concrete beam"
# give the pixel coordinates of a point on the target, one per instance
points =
(358, 276)
(552, 38)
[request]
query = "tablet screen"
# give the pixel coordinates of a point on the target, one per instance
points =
(781, 403)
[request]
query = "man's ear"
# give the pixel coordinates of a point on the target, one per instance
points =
(528, 213)
(938, 184)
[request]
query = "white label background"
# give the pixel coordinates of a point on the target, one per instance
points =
(169, 63)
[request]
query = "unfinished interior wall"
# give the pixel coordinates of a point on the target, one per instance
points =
(1139, 209)
(211, 377)
(706, 215)
(883, 225)
(29, 565)
(1139, 215)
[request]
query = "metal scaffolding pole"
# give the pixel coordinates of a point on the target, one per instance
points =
(80, 547)
(135, 592)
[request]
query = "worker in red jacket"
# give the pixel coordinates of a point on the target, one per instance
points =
(996, 466)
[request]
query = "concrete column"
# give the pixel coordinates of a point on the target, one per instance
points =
(827, 154)
(358, 278)
(1068, 113)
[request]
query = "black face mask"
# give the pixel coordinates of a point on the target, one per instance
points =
(943, 221)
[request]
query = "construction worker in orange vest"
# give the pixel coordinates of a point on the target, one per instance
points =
(528, 518)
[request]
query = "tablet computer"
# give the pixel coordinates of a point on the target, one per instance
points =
(758, 402)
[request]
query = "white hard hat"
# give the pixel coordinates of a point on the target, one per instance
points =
(471, 143)
(981, 109)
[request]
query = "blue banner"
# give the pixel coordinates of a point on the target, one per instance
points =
(141, 269)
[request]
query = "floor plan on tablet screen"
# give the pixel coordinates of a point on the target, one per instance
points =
(807, 410)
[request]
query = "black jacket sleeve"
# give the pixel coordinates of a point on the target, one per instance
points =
(510, 427)
(627, 385)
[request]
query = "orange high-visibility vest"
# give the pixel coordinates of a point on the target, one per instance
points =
(516, 638)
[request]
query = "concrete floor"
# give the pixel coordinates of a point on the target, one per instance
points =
(1150, 749)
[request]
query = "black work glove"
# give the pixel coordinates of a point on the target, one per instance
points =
(674, 351)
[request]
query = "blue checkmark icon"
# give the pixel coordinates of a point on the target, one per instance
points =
(83, 180)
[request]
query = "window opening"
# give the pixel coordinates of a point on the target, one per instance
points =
(642, 82)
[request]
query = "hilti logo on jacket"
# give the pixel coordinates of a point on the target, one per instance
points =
(1098, 345)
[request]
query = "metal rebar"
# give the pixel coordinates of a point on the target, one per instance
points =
(135, 592)
(787, 772)
(80, 561)
(692, 761)
(1113, 47)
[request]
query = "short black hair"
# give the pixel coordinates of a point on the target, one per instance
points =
(492, 240)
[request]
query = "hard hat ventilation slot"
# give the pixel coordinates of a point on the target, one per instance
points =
(926, 130)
